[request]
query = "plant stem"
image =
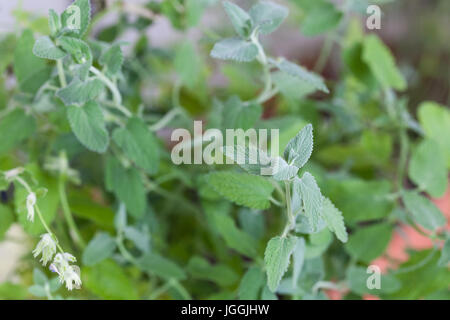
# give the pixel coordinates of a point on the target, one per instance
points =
(117, 97)
(291, 220)
(166, 119)
(61, 75)
(403, 158)
(324, 54)
(67, 214)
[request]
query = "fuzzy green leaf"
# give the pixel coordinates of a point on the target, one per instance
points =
(88, 125)
(243, 189)
(98, 249)
(251, 284)
(311, 197)
(112, 60)
(427, 168)
(301, 73)
(335, 221)
(435, 121)
(268, 15)
(80, 92)
(424, 212)
(45, 48)
(240, 19)
(444, 260)
(127, 185)
(76, 18)
(321, 18)
(139, 144)
(235, 49)
(382, 63)
(200, 268)
(17, 126)
(161, 266)
(299, 149)
(368, 243)
(277, 259)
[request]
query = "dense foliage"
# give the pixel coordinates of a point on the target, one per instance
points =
(85, 155)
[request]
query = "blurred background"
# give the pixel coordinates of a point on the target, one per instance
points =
(416, 31)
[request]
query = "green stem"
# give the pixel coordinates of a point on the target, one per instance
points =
(403, 158)
(67, 214)
(166, 119)
(61, 75)
(117, 97)
(324, 54)
(291, 219)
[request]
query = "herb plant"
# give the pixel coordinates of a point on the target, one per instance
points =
(87, 170)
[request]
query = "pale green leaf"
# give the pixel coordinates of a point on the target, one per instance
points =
(76, 18)
(98, 249)
(299, 149)
(444, 260)
(88, 125)
(240, 19)
(435, 121)
(382, 63)
(80, 92)
(298, 258)
(335, 221)
(427, 168)
(321, 18)
(251, 284)
(301, 73)
(235, 49)
(139, 144)
(370, 242)
(424, 212)
(243, 189)
(311, 197)
(268, 16)
(357, 279)
(160, 266)
(112, 60)
(277, 259)
(127, 185)
(45, 48)
(17, 126)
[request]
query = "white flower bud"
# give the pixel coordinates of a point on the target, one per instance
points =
(47, 247)
(31, 201)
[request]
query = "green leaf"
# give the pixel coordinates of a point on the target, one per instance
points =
(277, 259)
(187, 64)
(435, 121)
(291, 87)
(235, 49)
(240, 19)
(38, 291)
(238, 115)
(357, 279)
(80, 52)
(301, 73)
(362, 245)
(335, 221)
(268, 16)
(200, 268)
(88, 125)
(424, 211)
(311, 197)
(45, 48)
(31, 72)
(234, 237)
(109, 281)
(98, 249)
(76, 18)
(251, 159)
(444, 260)
(251, 284)
(318, 243)
(127, 185)
(160, 266)
(382, 64)
(243, 189)
(80, 92)
(39, 277)
(139, 144)
(321, 18)
(299, 149)
(298, 257)
(17, 126)
(54, 22)
(6, 220)
(140, 238)
(112, 60)
(427, 168)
